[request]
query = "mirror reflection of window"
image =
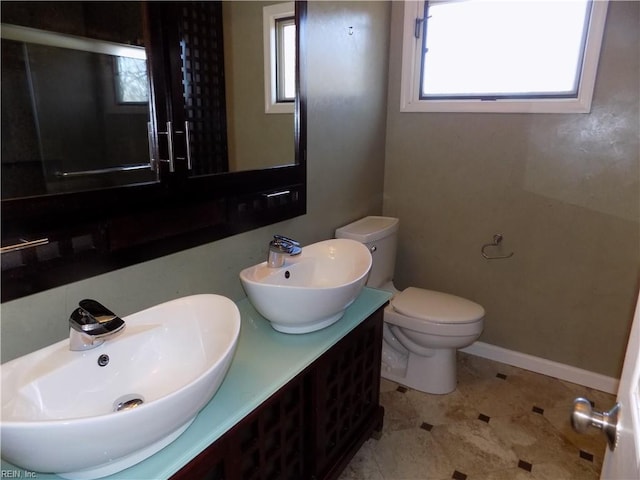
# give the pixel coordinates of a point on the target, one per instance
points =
(279, 39)
(260, 129)
(131, 80)
(285, 59)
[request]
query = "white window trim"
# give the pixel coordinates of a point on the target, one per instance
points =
(270, 14)
(410, 80)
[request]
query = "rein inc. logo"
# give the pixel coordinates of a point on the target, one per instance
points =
(5, 473)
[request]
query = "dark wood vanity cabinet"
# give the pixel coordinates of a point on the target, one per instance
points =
(344, 395)
(312, 426)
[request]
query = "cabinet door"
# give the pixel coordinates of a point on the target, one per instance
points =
(311, 427)
(189, 125)
(268, 444)
(345, 396)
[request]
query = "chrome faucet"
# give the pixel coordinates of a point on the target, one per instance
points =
(90, 324)
(279, 248)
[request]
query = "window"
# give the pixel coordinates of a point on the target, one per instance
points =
(279, 57)
(132, 83)
(498, 56)
(286, 59)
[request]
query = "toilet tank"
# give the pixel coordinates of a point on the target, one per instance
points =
(380, 235)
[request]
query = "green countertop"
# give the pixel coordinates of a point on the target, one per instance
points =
(264, 361)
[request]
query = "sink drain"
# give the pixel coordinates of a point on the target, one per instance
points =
(103, 360)
(127, 402)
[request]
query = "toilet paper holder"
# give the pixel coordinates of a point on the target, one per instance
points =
(497, 240)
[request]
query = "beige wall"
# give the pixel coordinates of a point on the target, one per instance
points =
(256, 139)
(345, 179)
(562, 189)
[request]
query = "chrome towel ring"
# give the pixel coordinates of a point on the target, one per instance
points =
(497, 240)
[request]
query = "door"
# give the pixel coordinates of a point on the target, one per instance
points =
(624, 461)
(621, 424)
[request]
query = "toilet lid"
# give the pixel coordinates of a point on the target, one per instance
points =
(436, 307)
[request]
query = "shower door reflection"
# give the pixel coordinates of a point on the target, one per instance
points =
(75, 113)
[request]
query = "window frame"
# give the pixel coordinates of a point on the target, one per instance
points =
(270, 15)
(410, 100)
(281, 55)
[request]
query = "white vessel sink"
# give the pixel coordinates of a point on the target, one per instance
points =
(313, 289)
(59, 407)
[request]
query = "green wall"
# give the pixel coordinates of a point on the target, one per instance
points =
(562, 189)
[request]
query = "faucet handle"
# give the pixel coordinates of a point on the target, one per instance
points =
(94, 318)
(282, 238)
(98, 312)
(283, 244)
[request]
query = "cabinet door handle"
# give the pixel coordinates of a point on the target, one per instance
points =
(152, 148)
(187, 137)
(23, 245)
(169, 134)
(172, 166)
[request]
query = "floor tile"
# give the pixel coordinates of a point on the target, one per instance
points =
(507, 474)
(472, 368)
(399, 412)
(568, 469)
(533, 438)
(495, 397)
(412, 454)
(501, 423)
(363, 466)
(442, 409)
(541, 390)
(474, 446)
(592, 441)
(387, 385)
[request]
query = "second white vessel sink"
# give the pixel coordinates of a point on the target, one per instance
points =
(90, 414)
(311, 290)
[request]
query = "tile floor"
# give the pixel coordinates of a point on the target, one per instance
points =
(502, 423)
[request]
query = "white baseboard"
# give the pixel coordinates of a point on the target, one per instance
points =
(544, 366)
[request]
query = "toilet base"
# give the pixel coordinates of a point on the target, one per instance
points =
(436, 374)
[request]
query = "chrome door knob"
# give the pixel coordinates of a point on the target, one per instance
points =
(584, 416)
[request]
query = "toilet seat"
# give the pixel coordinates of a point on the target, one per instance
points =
(436, 307)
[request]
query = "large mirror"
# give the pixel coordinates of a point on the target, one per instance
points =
(75, 100)
(88, 181)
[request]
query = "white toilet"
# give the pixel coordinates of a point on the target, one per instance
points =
(423, 329)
